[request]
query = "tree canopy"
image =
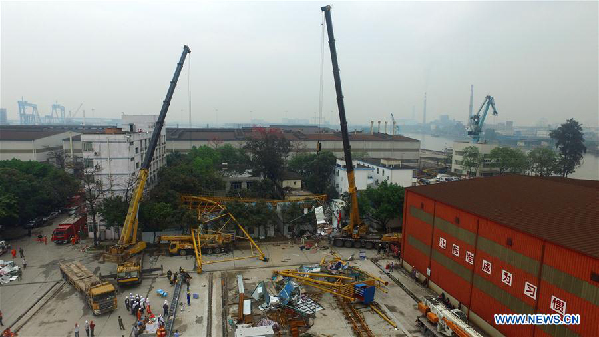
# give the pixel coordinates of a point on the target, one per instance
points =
(471, 159)
(382, 203)
(508, 159)
(268, 154)
(316, 171)
(29, 189)
(569, 140)
(543, 161)
(251, 215)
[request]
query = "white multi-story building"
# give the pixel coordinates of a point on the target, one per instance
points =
(373, 171)
(390, 170)
(363, 176)
(485, 169)
(116, 155)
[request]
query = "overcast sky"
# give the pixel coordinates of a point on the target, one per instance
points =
(261, 60)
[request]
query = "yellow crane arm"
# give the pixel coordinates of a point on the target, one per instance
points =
(129, 234)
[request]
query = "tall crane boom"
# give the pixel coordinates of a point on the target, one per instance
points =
(128, 244)
(475, 125)
(354, 216)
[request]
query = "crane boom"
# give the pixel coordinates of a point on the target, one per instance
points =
(129, 235)
(354, 216)
(477, 121)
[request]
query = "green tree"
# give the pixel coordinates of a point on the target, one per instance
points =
(382, 203)
(293, 214)
(543, 161)
(94, 192)
(114, 210)
(32, 189)
(268, 153)
(448, 159)
(317, 171)
(9, 209)
(156, 216)
(251, 216)
(508, 159)
(236, 160)
(569, 140)
(471, 160)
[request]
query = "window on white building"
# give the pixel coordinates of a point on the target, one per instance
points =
(136, 165)
(88, 162)
(136, 149)
(87, 146)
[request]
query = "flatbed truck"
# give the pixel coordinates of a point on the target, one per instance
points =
(99, 295)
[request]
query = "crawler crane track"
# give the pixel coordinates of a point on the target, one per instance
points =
(355, 318)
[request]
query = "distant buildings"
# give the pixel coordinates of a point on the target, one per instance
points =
(31, 143)
(376, 145)
(3, 117)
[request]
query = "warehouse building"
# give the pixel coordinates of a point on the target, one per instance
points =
(509, 244)
(377, 145)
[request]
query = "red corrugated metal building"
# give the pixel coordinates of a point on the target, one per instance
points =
(509, 244)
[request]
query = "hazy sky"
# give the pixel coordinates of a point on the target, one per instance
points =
(261, 60)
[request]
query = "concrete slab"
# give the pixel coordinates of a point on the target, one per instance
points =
(58, 316)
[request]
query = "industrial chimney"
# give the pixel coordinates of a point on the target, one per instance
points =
(385, 127)
(371, 127)
(424, 111)
(471, 102)
(379, 128)
(393, 130)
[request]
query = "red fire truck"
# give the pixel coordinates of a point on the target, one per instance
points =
(69, 228)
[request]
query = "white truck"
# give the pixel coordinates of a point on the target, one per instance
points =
(439, 321)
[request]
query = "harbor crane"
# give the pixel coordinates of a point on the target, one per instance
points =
(475, 125)
(128, 245)
(26, 118)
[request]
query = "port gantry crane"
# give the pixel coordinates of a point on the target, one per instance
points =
(128, 245)
(355, 232)
(475, 125)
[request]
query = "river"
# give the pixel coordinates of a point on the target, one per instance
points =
(589, 169)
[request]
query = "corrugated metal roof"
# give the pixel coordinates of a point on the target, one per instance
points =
(208, 134)
(559, 210)
(26, 135)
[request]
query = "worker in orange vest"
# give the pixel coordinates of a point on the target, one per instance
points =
(161, 332)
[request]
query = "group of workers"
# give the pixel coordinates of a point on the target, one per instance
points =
(137, 305)
(172, 278)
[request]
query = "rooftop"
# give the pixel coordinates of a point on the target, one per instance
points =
(27, 135)
(559, 210)
(241, 134)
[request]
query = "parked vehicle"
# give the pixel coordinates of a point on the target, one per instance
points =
(68, 229)
(4, 247)
(99, 296)
(33, 223)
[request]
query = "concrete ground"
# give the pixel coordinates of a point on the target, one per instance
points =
(58, 310)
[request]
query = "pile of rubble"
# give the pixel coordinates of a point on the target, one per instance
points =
(9, 271)
(287, 303)
(283, 307)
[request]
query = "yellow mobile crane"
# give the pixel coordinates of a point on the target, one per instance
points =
(129, 268)
(354, 233)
